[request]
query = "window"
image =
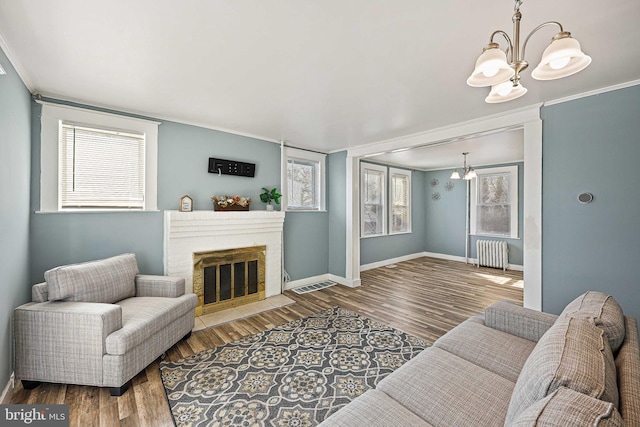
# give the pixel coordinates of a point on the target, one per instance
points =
(96, 161)
(100, 168)
(494, 202)
(400, 197)
(304, 180)
(373, 180)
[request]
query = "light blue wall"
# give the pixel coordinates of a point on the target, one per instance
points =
(591, 145)
(445, 217)
(183, 153)
(306, 244)
(183, 159)
(308, 235)
(15, 152)
(337, 205)
(375, 249)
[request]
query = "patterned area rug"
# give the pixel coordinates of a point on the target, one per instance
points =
(296, 374)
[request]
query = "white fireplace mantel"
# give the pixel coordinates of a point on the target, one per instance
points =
(200, 231)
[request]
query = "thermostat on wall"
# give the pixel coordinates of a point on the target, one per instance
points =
(585, 198)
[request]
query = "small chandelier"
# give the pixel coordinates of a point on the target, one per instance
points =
(562, 58)
(467, 171)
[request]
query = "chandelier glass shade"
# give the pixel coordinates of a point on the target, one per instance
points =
(498, 68)
(505, 91)
(467, 171)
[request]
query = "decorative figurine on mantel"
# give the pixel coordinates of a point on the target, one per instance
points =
(186, 204)
(270, 196)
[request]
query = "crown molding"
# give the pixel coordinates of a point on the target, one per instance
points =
(592, 92)
(17, 65)
(51, 98)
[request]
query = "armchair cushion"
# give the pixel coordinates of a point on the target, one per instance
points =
(159, 286)
(107, 281)
(143, 317)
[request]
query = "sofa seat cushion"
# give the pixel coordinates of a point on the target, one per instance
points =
(499, 352)
(573, 353)
(565, 407)
(108, 281)
(142, 317)
(446, 390)
(374, 408)
(605, 312)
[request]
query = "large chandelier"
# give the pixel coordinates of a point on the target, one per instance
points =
(467, 171)
(563, 57)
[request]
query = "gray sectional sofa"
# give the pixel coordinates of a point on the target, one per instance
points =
(99, 323)
(516, 367)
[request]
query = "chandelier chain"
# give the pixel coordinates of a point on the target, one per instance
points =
(516, 8)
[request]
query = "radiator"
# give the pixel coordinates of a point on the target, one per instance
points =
(493, 253)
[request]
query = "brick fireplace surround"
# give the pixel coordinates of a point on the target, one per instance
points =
(200, 231)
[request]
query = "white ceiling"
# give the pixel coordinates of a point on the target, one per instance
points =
(325, 75)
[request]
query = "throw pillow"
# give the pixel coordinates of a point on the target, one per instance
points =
(573, 353)
(605, 312)
(565, 407)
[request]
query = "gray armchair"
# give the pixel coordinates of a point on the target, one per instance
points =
(99, 323)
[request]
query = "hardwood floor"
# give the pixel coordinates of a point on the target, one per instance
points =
(425, 297)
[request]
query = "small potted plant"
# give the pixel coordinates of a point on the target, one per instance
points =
(270, 195)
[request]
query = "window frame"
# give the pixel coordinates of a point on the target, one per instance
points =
(403, 173)
(384, 208)
(513, 200)
(320, 178)
(53, 115)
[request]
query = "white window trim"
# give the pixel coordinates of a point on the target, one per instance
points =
(513, 171)
(303, 155)
(53, 114)
(371, 166)
(406, 173)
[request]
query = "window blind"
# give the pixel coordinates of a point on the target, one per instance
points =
(101, 168)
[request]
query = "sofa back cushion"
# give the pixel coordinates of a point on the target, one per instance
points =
(109, 280)
(565, 407)
(40, 292)
(573, 353)
(605, 312)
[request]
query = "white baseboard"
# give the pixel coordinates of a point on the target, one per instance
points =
(366, 267)
(515, 267)
(447, 257)
(344, 281)
(7, 393)
(355, 283)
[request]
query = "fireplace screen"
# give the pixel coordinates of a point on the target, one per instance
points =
(228, 278)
